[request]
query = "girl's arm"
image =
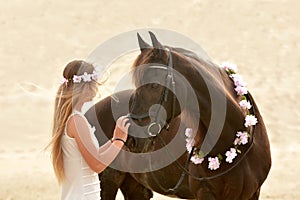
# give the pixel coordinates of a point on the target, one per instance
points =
(97, 158)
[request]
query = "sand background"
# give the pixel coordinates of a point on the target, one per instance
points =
(38, 38)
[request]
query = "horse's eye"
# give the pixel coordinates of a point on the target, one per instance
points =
(154, 85)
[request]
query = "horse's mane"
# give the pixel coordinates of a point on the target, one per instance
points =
(190, 54)
(209, 65)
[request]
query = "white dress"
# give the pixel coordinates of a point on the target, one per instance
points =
(81, 183)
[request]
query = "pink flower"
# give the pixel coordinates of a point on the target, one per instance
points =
(86, 77)
(241, 90)
(237, 141)
(245, 104)
(95, 75)
(76, 79)
(238, 80)
(196, 159)
(230, 155)
(188, 132)
(242, 138)
(214, 163)
(229, 67)
(189, 144)
(63, 81)
(250, 120)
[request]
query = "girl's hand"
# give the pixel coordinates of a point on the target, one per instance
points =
(121, 129)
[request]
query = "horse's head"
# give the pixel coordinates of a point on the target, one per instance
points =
(155, 102)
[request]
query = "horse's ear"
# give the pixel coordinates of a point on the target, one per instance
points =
(143, 45)
(156, 44)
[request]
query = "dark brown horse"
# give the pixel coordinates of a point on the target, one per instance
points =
(176, 89)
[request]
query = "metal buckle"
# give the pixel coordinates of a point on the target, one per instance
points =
(153, 124)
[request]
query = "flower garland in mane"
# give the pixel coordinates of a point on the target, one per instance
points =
(241, 136)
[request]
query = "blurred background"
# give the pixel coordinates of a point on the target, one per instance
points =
(39, 37)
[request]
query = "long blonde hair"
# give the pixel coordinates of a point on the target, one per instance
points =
(67, 97)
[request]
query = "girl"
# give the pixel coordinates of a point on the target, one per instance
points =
(76, 156)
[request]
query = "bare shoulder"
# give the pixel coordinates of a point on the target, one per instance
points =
(75, 125)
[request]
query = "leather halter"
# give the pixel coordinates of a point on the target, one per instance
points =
(170, 83)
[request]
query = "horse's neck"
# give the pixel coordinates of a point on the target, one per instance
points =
(234, 116)
(207, 78)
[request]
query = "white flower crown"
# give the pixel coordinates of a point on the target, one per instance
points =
(85, 77)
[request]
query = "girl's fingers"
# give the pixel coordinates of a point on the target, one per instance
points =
(124, 121)
(122, 127)
(119, 121)
(127, 126)
(123, 124)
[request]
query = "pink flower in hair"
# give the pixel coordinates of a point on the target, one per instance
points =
(189, 144)
(240, 90)
(238, 80)
(63, 81)
(196, 159)
(237, 141)
(214, 163)
(76, 79)
(250, 120)
(189, 132)
(245, 104)
(243, 137)
(95, 76)
(86, 77)
(230, 155)
(229, 67)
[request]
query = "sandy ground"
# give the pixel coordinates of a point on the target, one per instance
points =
(39, 37)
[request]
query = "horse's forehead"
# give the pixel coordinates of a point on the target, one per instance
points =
(153, 56)
(155, 73)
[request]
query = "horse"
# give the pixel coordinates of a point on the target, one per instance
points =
(176, 90)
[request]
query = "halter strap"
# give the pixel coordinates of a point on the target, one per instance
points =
(170, 84)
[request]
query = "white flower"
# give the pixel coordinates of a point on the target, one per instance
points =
(245, 104)
(76, 79)
(189, 144)
(241, 90)
(250, 120)
(95, 75)
(196, 159)
(188, 132)
(63, 81)
(237, 141)
(229, 66)
(86, 77)
(214, 163)
(238, 80)
(242, 138)
(230, 155)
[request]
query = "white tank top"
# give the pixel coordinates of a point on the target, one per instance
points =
(81, 183)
